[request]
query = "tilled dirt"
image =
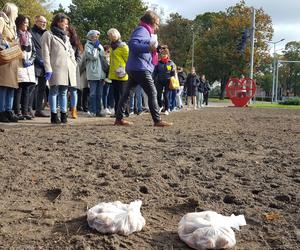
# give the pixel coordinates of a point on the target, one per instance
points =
(229, 160)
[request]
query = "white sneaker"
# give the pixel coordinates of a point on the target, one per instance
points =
(131, 113)
(107, 111)
(91, 114)
(166, 112)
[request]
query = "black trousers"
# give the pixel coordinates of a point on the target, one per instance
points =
(163, 87)
(144, 78)
(205, 98)
(22, 97)
(118, 89)
(40, 93)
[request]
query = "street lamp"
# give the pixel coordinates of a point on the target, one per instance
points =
(193, 46)
(274, 66)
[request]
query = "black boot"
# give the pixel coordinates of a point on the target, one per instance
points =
(63, 117)
(3, 117)
(54, 118)
(11, 116)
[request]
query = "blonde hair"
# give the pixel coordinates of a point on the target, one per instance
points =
(11, 10)
(114, 34)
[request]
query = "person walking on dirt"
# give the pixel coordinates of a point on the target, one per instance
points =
(140, 65)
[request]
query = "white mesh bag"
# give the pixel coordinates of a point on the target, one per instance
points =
(209, 230)
(116, 217)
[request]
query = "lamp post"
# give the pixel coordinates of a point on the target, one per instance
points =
(193, 46)
(274, 66)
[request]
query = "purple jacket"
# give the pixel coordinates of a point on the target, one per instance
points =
(140, 58)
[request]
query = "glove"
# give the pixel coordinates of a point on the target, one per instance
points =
(96, 44)
(26, 63)
(48, 76)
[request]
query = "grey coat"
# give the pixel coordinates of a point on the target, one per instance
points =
(59, 59)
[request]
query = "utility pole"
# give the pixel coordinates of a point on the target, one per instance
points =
(252, 42)
(276, 82)
(193, 46)
(274, 68)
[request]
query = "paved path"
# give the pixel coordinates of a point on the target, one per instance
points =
(85, 119)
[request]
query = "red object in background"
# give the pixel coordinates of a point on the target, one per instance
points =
(240, 91)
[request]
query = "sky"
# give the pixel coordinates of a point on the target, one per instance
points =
(285, 14)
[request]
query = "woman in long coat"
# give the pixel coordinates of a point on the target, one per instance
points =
(60, 65)
(9, 71)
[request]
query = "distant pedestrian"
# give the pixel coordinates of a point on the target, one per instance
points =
(192, 83)
(206, 92)
(182, 79)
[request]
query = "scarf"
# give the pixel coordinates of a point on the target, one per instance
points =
(116, 44)
(59, 33)
(38, 30)
(24, 37)
(151, 31)
(164, 59)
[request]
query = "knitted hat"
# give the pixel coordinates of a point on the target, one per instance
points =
(92, 33)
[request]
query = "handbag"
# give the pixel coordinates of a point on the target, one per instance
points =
(120, 71)
(10, 54)
(174, 82)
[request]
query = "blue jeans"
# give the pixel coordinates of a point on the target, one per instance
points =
(96, 91)
(138, 96)
(172, 99)
(74, 97)
(199, 99)
(60, 92)
(106, 89)
(6, 98)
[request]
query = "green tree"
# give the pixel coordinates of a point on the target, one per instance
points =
(32, 8)
(219, 34)
(60, 9)
(290, 72)
(176, 33)
(102, 15)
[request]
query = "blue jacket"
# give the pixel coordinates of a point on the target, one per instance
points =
(140, 57)
(93, 66)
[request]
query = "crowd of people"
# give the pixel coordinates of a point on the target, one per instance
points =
(119, 79)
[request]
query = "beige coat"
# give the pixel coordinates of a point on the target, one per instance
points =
(9, 71)
(59, 59)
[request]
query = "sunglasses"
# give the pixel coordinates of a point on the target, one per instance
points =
(163, 48)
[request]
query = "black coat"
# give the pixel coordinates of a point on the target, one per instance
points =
(38, 62)
(164, 71)
(206, 87)
(192, 83)
(182, 78)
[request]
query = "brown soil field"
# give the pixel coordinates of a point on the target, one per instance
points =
(229, 160)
